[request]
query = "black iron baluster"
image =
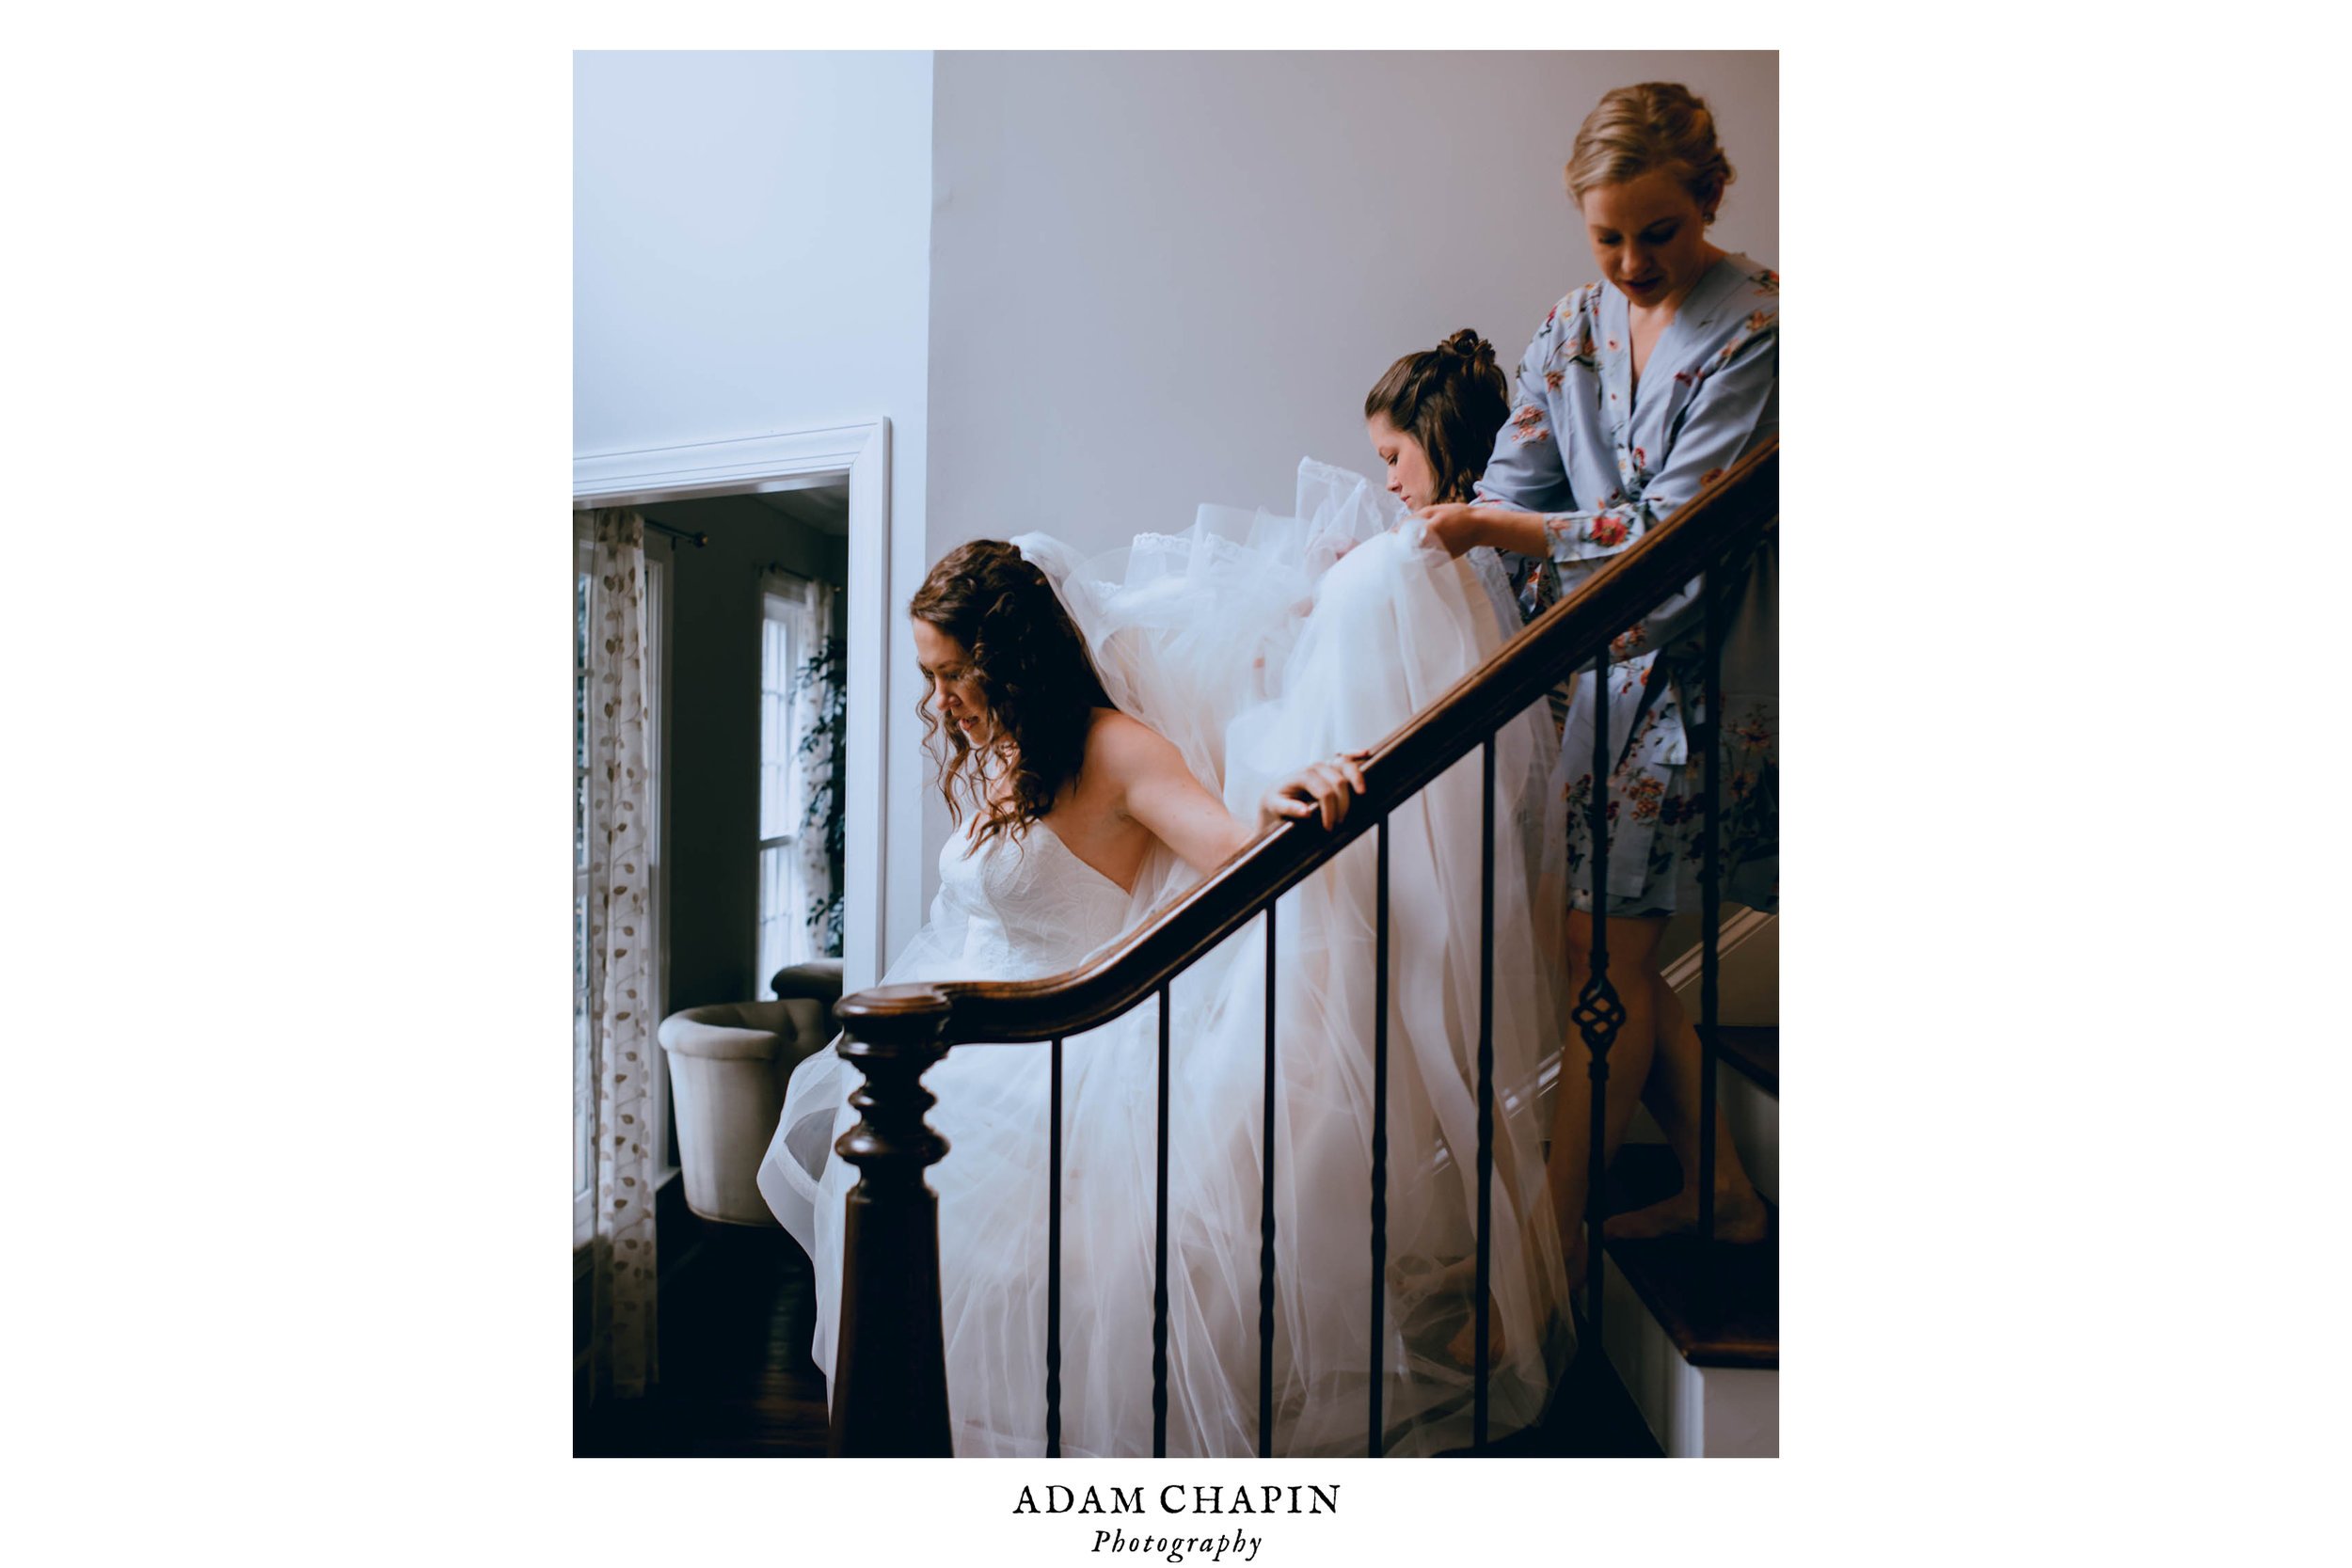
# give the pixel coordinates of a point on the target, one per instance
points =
(1379, 1130)
(1159, 1263)
(1710, 897)
(1599, 1012)
(1053, 1269)
(1486, 1083)
(1265, 1221)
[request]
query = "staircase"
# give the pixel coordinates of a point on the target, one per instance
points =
(1691, 1327)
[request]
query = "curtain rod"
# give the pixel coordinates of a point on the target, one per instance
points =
(700, 539)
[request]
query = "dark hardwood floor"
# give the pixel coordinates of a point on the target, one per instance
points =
(736, 1315)
(735, 1319)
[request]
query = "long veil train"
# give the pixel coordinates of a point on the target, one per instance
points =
(1256, 643)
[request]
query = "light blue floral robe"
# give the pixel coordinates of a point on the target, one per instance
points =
(1603, 464)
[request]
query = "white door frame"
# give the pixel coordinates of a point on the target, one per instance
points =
(858, 454)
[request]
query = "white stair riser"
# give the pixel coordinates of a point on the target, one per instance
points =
(1694, 1412)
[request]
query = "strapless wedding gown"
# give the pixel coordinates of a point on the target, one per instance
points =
(1256, 644)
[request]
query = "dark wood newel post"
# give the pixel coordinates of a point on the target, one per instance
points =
(890, 1367)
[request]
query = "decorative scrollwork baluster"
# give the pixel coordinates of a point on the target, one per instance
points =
(1599, 1012)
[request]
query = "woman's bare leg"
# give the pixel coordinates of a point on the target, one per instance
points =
(1673, 1098)
(1632, 958)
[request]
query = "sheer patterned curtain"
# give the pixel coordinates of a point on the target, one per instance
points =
(620, 982)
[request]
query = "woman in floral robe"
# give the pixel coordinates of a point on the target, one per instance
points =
(1637, 393)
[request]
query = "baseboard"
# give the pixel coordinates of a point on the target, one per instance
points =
(1748, 972)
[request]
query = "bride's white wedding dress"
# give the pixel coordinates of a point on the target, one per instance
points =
(1256, 644)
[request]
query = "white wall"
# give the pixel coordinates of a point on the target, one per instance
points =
(1087, 291)
(751, 236)
(1159, 280)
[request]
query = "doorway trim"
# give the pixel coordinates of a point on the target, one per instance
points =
(859, 455)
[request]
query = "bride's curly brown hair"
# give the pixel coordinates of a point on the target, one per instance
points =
(1031, 667)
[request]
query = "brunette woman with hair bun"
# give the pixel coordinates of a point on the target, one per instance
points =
(1433, 417)
(1639, 392)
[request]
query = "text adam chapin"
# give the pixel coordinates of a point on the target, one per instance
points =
(1179, 1499)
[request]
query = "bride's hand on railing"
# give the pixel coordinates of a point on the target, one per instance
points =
(1322, 789)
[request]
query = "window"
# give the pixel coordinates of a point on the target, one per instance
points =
(583, 1059)
(787, 637)
(586, 965)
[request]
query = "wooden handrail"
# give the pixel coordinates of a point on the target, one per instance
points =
(890, 1382)
(1567, 635)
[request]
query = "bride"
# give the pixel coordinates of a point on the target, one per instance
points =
(1081, 713)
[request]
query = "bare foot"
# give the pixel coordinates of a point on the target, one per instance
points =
(1738, 1218)
(1460, 1278)
(1463, 1347)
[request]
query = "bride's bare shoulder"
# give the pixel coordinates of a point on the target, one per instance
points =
(1126, 746)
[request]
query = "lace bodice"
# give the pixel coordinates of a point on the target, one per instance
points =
(1026, 909)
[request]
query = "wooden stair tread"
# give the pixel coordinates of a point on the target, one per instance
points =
(1754, 1050)
(1719, 1303)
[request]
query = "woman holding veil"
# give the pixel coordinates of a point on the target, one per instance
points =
(1637, 392)
(1108, 730)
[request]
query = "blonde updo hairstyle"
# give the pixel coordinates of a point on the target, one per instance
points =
(1657, 125)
